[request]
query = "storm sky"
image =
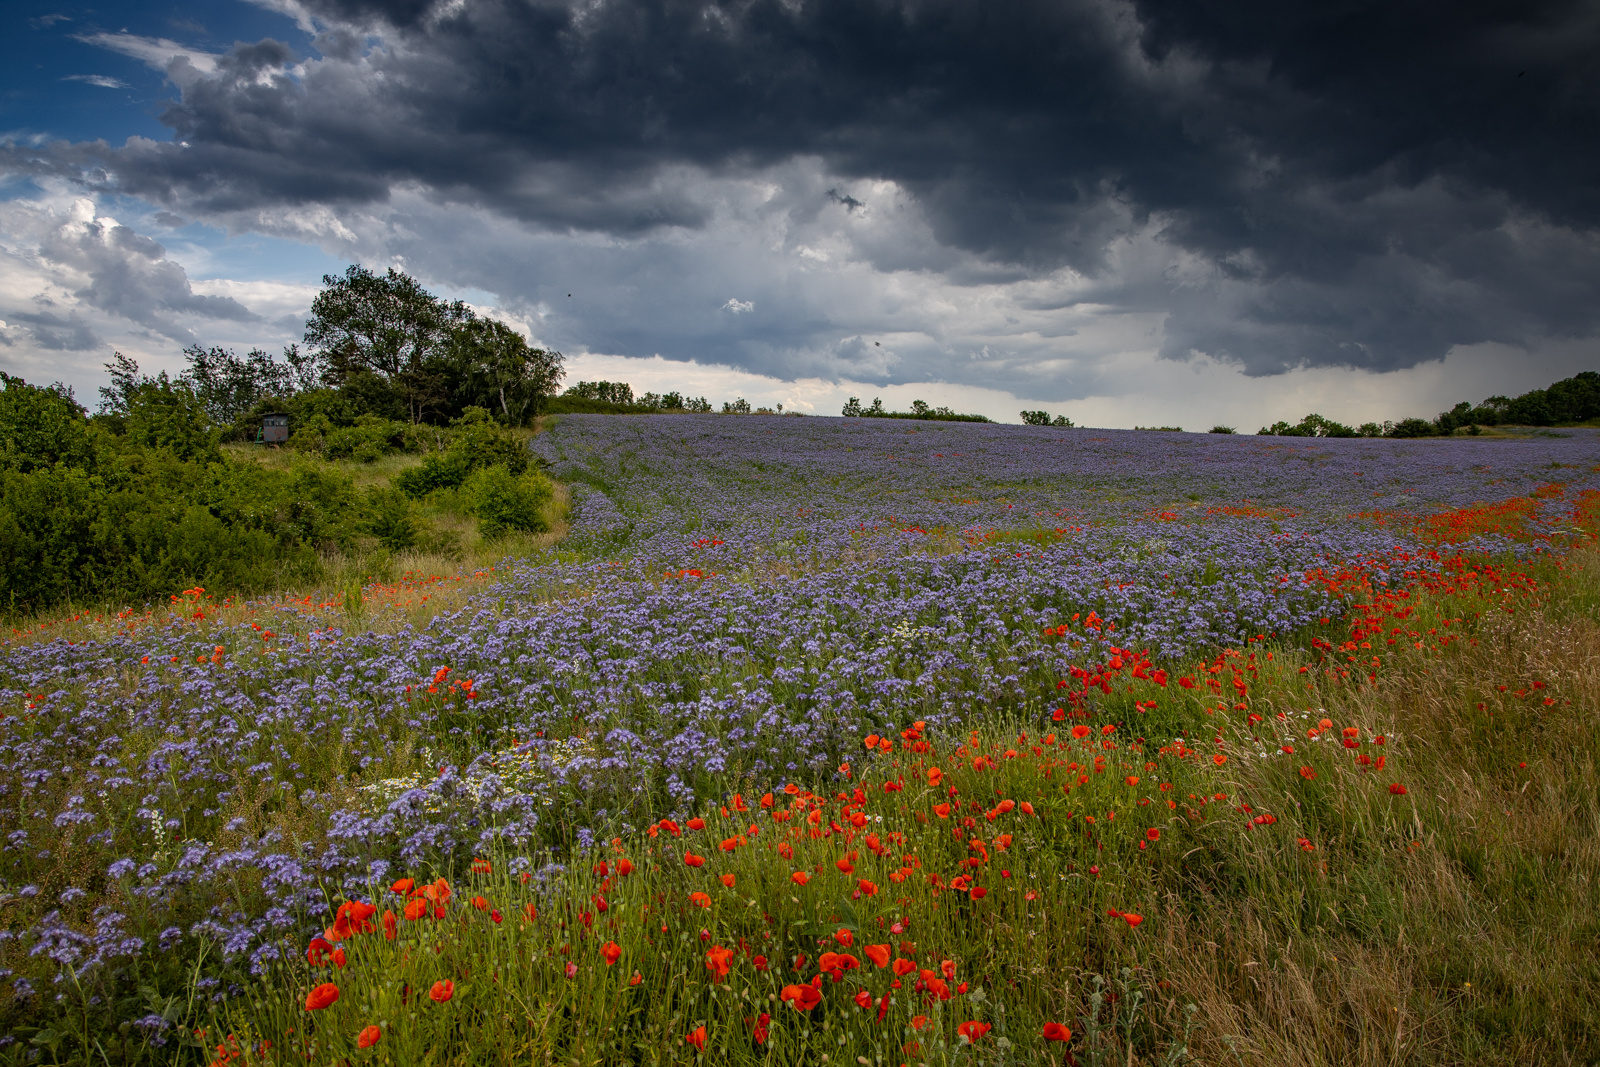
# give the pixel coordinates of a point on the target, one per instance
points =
(1128, 212)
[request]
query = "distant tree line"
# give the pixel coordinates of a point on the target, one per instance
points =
(919, 410)
(1571, 400)
(618, 398)
(1042, 418)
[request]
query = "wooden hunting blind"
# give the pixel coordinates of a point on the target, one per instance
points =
(274, 428)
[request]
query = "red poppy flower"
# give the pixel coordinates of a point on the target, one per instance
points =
(1219, 759)
(322, 996)
(844, 937)
(718, 960)
(700, 900)
(903, 968)
(863, 1000)
(1080, 731)
(1132, 919)
(611, 952)
(801, 997)
(317, 953)
(760, 963)
(694, 861)
(389, 924)
(442, 991)
(1397, 789)
(697, 1038)
(878, 954)
(800, 878)
(1152, 834)
(404, 885)
(1056, 1032)
(970, 1031)
(624, 867)
(369, 1037)
(1307, 773)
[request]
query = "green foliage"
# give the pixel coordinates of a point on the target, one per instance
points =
(396, 351)
(475, 442)
(229, 386)
(477, 436)
(919, 410)
(42, 428)
(498, 370)
(439, 470)
(367, 439)
(504, 502)
(157, 413)
(140, 502)
(1222, 429)
(674, 401)
(391, 518)
(608, 392)
(1312, 425)
(1412, 428)
(740, 406)
(1036, 418)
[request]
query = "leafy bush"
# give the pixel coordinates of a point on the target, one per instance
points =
(476, 442)
(439, 470)
(42, 427)
(391, 518)
(504, 502)
(1413, 428)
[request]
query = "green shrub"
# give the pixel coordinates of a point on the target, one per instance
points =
(391, 519)
(476, 442)
(505, 502)
(43, 427)
(438, 470)
(1413, 428)
(479, 437)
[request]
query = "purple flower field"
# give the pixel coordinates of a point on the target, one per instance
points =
(739, 601)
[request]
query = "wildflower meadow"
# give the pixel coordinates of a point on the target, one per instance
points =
(850, 741)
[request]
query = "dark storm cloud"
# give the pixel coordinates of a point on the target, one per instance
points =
(1365, 184)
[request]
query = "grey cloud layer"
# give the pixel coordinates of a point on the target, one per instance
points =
(1362, 184)
(60, 269)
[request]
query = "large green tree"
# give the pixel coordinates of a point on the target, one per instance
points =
(390, 327)
(502, 371)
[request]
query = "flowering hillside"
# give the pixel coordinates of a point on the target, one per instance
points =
(814, 736)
